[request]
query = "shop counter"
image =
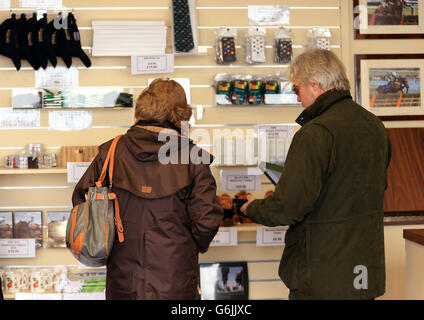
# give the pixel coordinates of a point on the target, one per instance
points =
(414, 265)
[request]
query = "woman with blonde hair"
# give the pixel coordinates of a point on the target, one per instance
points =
(170, 212)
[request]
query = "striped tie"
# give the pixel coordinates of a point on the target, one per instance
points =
(183, 36)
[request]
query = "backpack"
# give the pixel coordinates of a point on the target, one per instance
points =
(90, 231)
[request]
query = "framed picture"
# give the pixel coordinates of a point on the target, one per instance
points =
(6, 224)
(27, 224)
(224, 281)
(388, 19)
(391, 85)
(56, 228)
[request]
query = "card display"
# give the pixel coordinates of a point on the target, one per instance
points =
(56, 228)
(6, 225)
(27, 224)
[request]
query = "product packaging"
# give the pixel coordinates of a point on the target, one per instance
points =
(240, 89)
(255, 45)
(319, 38)
(256, 90)
(278, 90)
(223, 87)
(283, 43)
(226, 39)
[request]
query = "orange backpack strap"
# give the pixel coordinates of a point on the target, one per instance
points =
(110, 160)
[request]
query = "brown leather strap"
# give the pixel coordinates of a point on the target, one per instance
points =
(118, 221)
(110, 160)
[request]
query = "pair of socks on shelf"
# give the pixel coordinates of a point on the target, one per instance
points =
(39, 41)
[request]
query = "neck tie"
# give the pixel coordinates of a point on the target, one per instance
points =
(183, 36)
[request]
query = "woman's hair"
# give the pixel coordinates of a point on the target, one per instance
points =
(163, 100)
(319, 66)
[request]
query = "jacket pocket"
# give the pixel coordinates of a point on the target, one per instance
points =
(288, 270)
(295, 266)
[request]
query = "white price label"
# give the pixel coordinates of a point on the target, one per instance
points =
(51, 4)
(76, 170)
(17, 248)
(237, 183)
(225, 237)
(236, 180)
(151, 64)
(270, 236)
(59, 77)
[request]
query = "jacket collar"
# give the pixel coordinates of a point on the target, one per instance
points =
(152, 123)
(323, 103)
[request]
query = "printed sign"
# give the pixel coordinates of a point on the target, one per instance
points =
(270, 236)
(76, 170)
(150, 64)
(268, 15)
(17, 248)
(57, 78)
(70, 120)
(225, 237)
(237, 180)
(52, 4)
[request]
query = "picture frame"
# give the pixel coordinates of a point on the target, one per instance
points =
(28, 224)
(56, 228)
(224, 281)
(391, 85)
(388, 19)
(6, 224)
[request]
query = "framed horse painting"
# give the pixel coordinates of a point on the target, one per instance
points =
(388, 19)
(391, 85)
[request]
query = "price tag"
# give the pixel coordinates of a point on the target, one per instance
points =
(268, 15)
(59, 77)
(151, 64)
(76, 170)
(270, 236)
(236, 180)
(225, 237)
(17, 248)
(71, 120)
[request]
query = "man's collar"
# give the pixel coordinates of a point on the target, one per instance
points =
(322, 104)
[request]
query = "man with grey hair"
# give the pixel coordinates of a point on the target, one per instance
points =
(331, 190)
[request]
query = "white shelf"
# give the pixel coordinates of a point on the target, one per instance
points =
(248, 227)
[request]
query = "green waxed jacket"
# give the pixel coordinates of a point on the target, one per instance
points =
(331, 195)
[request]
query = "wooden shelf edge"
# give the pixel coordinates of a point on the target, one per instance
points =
(250, 227)
(33, 171)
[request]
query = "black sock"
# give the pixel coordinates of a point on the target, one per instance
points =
(45, 41)
(24, 49)
(73, 45)
(58, 38)
(9, 41)
(35, 48)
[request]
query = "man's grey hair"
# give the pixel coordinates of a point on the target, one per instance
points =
(319, 66)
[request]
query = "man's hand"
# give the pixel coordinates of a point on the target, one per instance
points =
(244, 207)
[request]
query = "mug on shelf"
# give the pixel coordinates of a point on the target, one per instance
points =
(23, 278)
(11, 281)
(37, 281)
(48, 278)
